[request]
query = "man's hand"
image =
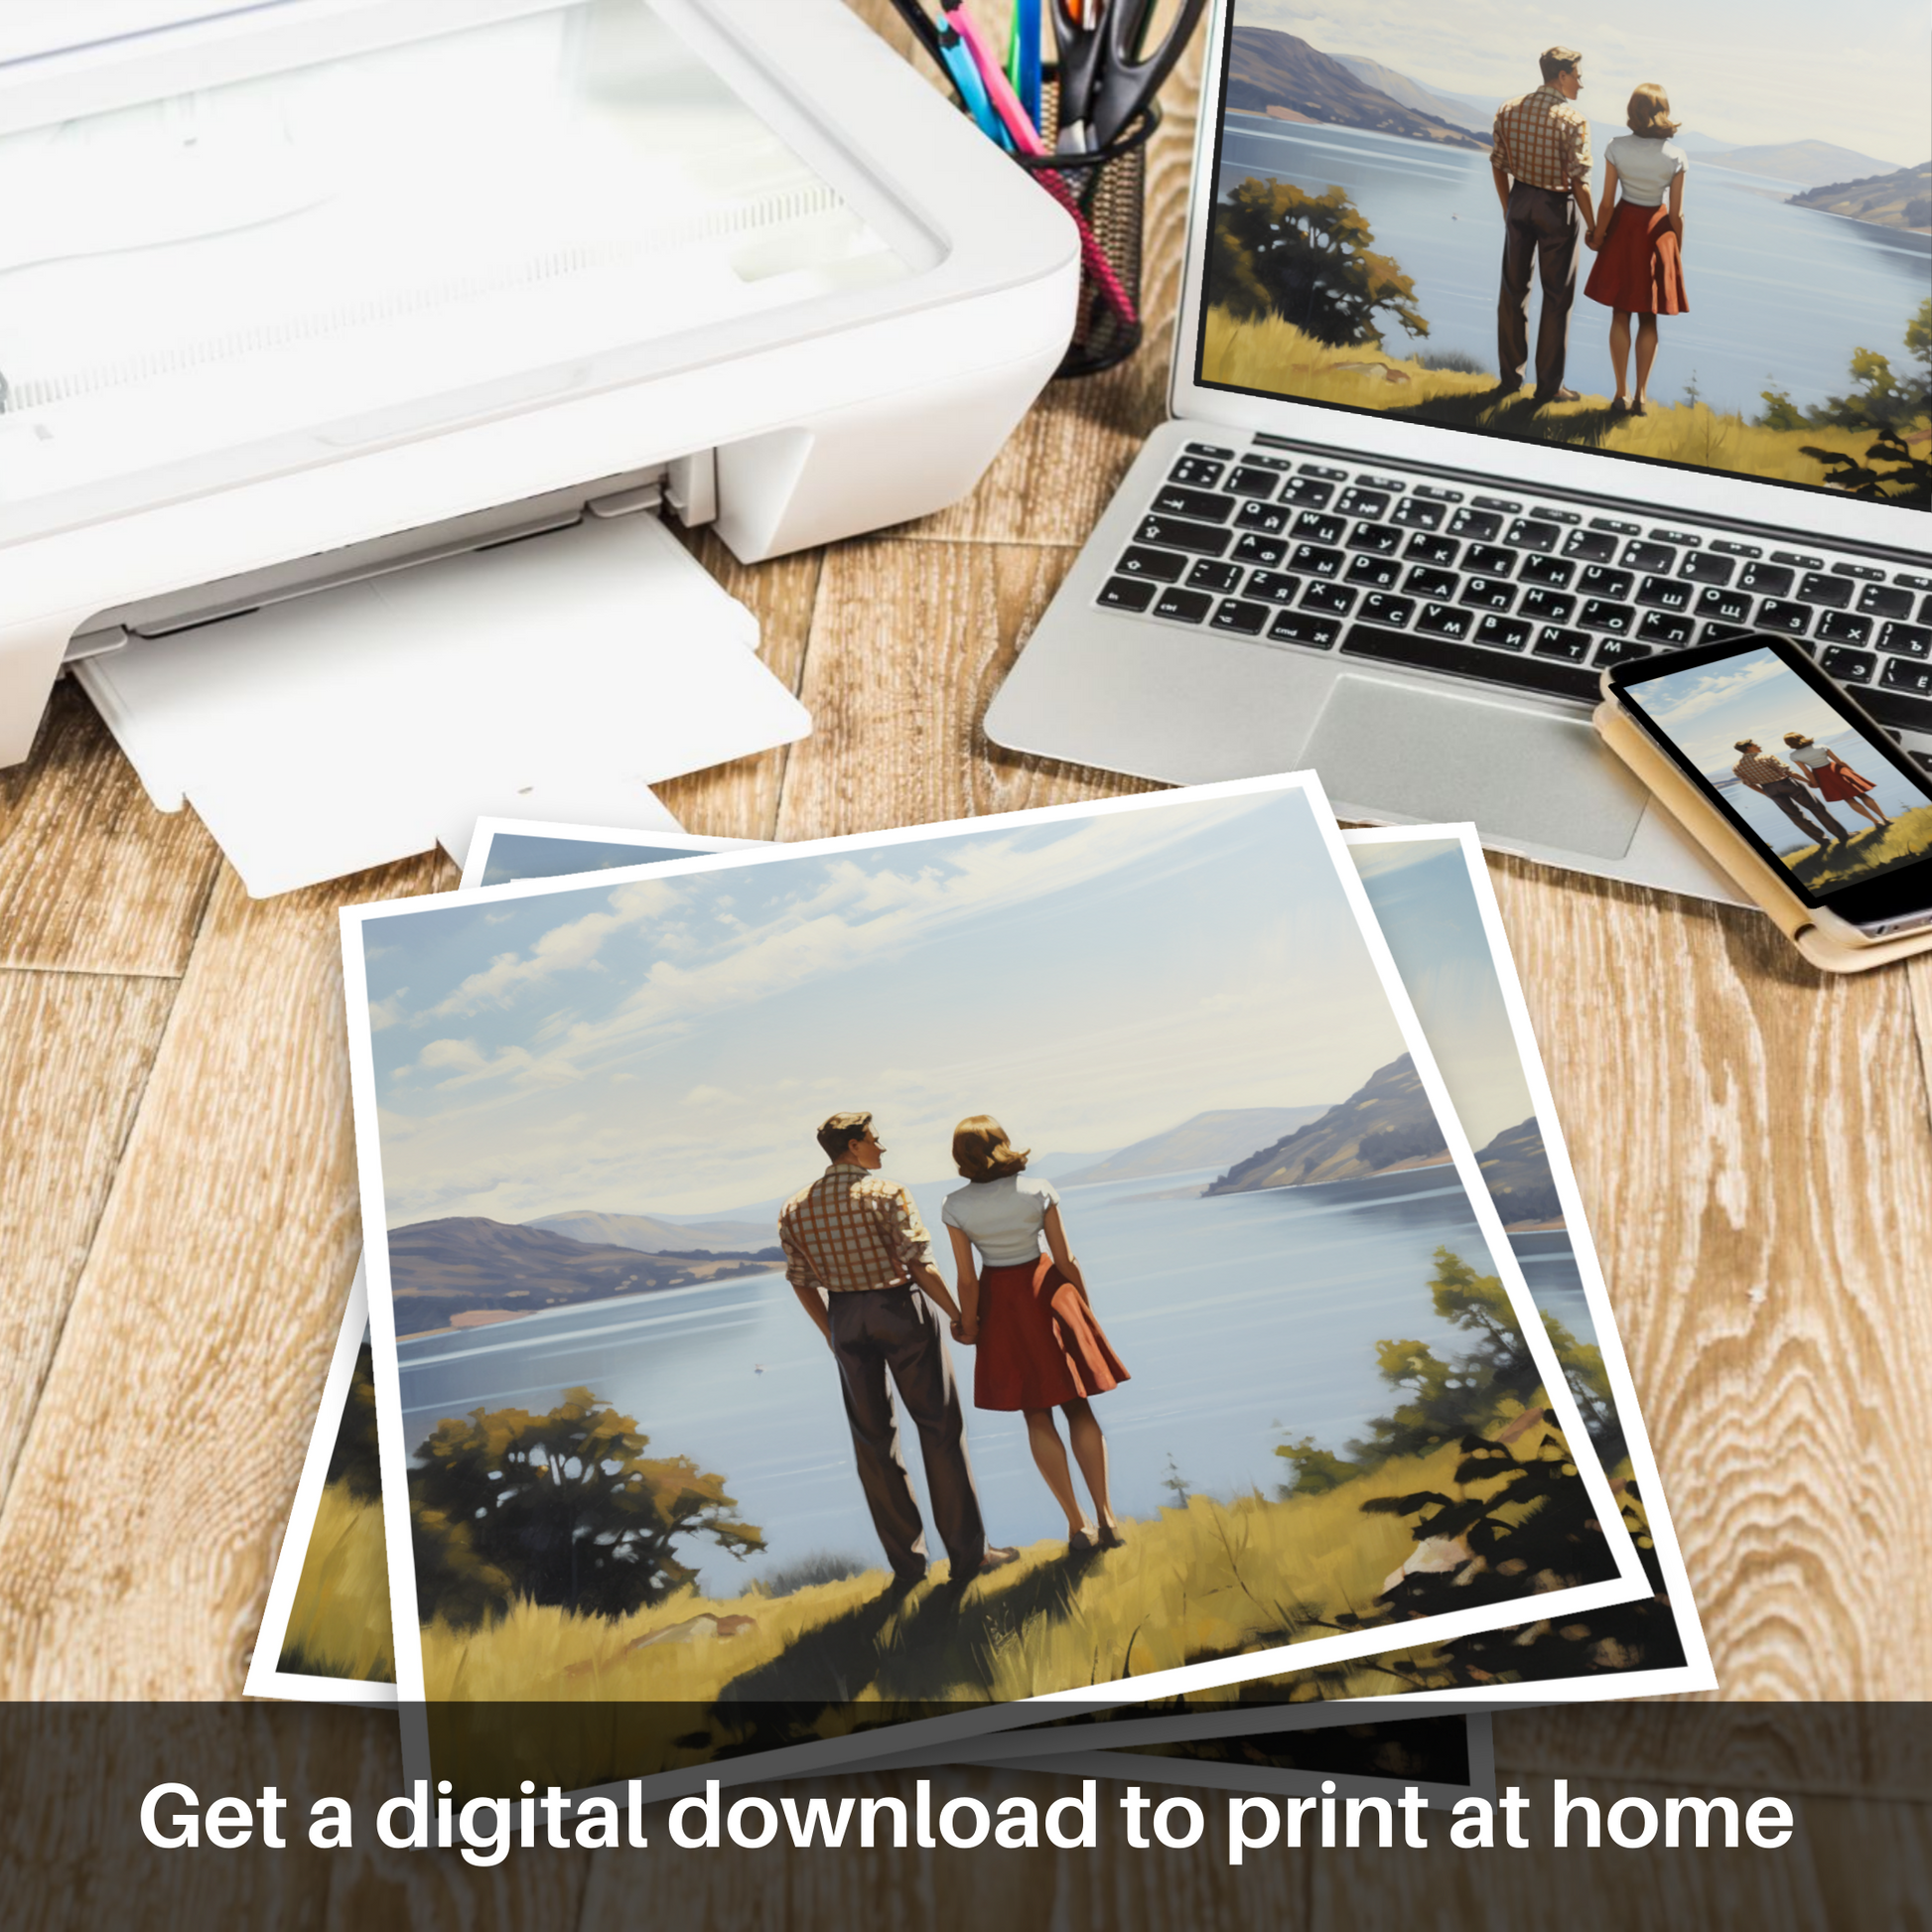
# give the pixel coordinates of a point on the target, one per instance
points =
(964, 1333)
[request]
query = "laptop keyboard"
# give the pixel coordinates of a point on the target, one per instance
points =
(1527, 594)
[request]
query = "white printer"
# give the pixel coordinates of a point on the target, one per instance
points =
(311, 309)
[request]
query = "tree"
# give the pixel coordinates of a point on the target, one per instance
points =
(353, 1460)
(561, 1508)
(1309, 259)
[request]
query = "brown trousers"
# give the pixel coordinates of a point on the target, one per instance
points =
(896, 1329)
(1541, 229)
(1801, 805)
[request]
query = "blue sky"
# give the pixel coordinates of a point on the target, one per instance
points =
(1750, 73)
(669, 1043)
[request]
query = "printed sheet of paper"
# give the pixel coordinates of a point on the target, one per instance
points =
(1059, 883)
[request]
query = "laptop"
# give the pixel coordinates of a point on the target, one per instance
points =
(1358, 545)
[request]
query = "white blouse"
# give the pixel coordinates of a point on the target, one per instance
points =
(1644, 168)
(1002, 1218)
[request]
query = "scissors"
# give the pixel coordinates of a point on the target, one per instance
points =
(1107, 77)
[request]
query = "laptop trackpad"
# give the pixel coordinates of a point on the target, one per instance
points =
(1433, 756)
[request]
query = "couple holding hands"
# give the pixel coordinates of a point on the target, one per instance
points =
(859, 1259)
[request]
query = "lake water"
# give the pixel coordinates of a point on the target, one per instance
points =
(1778, 294)
(1242, 1318)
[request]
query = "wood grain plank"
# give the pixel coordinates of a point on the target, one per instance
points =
(74, 1054)
(201, 1324)
(1759, 1177)
(910, 642)
(96, 880)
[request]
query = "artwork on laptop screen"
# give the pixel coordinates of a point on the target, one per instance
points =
(1730, 208)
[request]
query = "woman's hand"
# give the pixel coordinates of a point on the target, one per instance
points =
(965, 1332)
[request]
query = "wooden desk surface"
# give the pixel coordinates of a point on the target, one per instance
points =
(178, 1218)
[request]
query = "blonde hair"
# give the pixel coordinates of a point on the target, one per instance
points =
(1796, 740)
(1648, 115)
(982, 1151)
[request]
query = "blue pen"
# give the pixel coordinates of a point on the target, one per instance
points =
(1026, 75)
(965, 77)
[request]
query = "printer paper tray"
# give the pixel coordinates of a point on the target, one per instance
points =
(556, 677)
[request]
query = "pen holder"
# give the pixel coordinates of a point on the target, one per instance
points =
(1106, 191)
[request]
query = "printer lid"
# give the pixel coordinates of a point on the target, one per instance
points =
(243, 239)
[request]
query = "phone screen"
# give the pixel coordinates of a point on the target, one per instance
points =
(1818, 787)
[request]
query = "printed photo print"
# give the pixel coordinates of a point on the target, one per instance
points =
(1698, 231)
(679, 1172)
(1814, 789)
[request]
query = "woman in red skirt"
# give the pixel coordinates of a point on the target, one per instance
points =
(1832, 778)
(1038, 1347)
(1638, 238)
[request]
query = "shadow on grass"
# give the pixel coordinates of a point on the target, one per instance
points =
(1574, 425)
(1874, 849)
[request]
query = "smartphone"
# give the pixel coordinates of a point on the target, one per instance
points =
(1818, 789)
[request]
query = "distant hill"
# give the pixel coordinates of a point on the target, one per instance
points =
(1463, 114)
(466, 1265)
(1272, 72)
(1209, 1139)
(1811, 163)
(1386, 1124)
(1517, 1171)
(650, 1236)
(1899, 200)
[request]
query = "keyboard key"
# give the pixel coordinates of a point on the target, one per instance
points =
(1590, 546)
(1832, 592)
(1297, 627)
(1780, 613)
(1445, 620)
(1527, 534)
(1380, 571)
(1395, 612)
(1333, 598)
(1507, 504)
(1250, 481)
(1430, 583)
(1432, 550)
(1553, 572)
(1455, 496)
(1925, 612)
(1767, 578)
(1357, 501)
(1161, 564)
(1897, 709)
(1210, 449)
(1731, 549)
(1725, 606)
(1171, 499)
(1236, 614)
(1599, 613)
(1502, 634)
(1127, 593)
(1842, 627)
(1270, 519)
(1598, 582)
(1847, 667)
(1906, 674)
(1324, 470)
(1382, 538)
(1664, 594)
(1308, 491)
(1467, 522)
(1184, 607)
(1207, 575)
(1415, 513)
(1866, 573)
(1488, 595)
(1275, 586)
(1649, 555)
(1254, 549)
(1877, 601)
(1553, 642)
(1175, 534)
(1700, 567)
(1312, 527)
(1675, 536)
(1797, 560)
(1438, 653)
(1196, 472)
(1911, 581)
(1281, 464)
(1619, 651)
(1616, 526)
(1546, 607)
(1488, 560)
(1907, 639)
(1312, 561)
(1389, 483)
(1663, 628)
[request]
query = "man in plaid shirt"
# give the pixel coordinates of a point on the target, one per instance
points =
(860, 1260)
(1540, 159)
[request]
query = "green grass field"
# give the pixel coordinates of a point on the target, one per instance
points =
(1874, 849)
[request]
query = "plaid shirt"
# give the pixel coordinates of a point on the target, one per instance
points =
(852, 1229)
(1543, 139)
(1757, 769)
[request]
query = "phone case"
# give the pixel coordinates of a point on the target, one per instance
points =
(1754, 878)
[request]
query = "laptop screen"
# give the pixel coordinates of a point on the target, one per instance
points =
(1695, 231)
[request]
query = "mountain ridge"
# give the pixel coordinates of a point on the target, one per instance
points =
(1385, 1124)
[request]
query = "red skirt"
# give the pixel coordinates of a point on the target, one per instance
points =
(1638, 268)
(1837, 782)
(1038, 1343)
